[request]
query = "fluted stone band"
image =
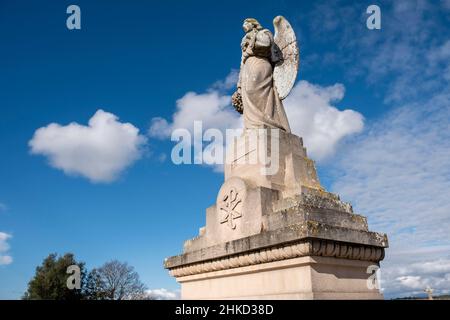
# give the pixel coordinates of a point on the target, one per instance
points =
(311, 247)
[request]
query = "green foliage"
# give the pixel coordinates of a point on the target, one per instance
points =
(112, 281)
(50, 280)
(94, 288)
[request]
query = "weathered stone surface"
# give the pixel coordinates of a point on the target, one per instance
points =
(315, 205)
(275, 238)
(285, 70)
(247, 216)
(261, 210)
(308, 247)
(259, 220)
(308, 277)
(284, 150)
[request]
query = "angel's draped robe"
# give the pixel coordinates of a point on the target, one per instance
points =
(261, 103)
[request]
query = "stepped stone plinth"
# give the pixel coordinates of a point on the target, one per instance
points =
(277, 234)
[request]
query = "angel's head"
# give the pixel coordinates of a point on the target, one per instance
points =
(250, 24)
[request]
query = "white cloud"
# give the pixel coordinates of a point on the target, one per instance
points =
(4, 260)
(413, 282)
(312, 116)
(309, 107)
(163, 294)
(439, 266)
(405, 279)
(446, 4)
(4, 248)
(228, 83)
(99, 151)
(394, 59)
(3, 207)
(398, 174)
(212, 108)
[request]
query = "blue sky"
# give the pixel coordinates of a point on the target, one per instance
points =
(388, 154)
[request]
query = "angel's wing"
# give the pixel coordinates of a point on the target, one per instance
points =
(285, 54)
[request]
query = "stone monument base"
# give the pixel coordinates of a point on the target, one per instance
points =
(299, 278)
(279, 235)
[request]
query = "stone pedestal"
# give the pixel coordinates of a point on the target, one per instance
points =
(280, 150)
(306, 277)
(277, 234)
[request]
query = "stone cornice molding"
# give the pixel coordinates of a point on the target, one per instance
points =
(310, 247)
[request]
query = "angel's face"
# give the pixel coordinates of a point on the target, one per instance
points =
(247, 26)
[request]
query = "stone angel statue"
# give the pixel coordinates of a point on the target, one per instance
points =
(269, 66)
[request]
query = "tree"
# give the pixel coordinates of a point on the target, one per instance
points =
(93, 289)
(114, 281)
(50, 279)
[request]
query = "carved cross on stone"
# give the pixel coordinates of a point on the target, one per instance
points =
(229, 205)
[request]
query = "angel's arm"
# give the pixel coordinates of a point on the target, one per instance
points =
(263, 39)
